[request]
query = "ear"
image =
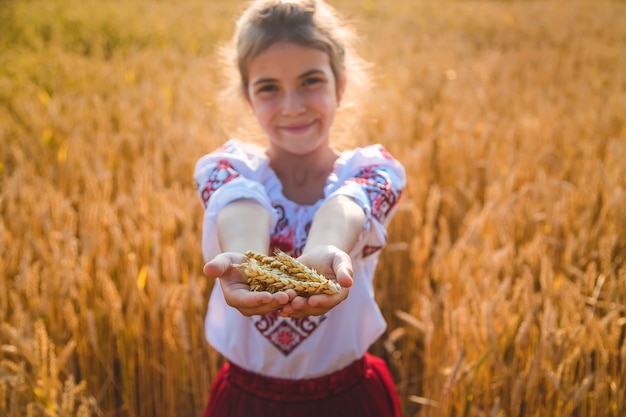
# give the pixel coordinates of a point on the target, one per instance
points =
(342, 81)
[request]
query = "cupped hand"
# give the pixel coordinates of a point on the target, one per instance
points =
(236, 290)
(334, 264)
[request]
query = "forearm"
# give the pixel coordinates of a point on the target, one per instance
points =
(243, 225)
(338, 223)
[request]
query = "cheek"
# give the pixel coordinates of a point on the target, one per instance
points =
(326, 105)
(326, 99)
(262, 111)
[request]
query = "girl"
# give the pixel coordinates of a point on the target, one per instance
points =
(290, 355)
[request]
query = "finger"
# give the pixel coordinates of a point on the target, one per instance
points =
(281, 297)
(287, 311)
(342, 265)
(258, 310)
(322, 301)
(291, 294)
(217, 267)
(308, 312)
(243, 298)
(298, 303)
(327, 301)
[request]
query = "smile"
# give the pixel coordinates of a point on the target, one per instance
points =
(297, 128)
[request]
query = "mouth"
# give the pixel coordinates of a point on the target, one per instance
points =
(297, 128)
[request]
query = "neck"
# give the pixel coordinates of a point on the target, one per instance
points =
(289, 164)
(303, 176)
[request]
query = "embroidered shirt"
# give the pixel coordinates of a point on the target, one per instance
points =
(317, 345)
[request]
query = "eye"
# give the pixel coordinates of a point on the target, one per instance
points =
(266, 89)
(311, 81)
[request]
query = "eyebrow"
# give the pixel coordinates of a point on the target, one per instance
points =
(312, 72)
(304, 75)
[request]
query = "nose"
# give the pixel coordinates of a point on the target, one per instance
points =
(293, 103)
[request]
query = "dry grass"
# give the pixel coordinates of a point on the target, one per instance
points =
(505, 279)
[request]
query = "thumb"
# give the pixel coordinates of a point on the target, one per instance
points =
(342, 264)
(217, 266)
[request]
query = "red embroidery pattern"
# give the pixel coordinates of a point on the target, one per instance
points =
(286, 237)
(222, 173)
(286, 334)
(285, 338)
(283, 235)
(380, 192)
(385, 153)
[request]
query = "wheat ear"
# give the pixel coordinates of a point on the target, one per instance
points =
(282, 272)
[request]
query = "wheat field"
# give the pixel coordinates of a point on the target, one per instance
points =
(504, 281)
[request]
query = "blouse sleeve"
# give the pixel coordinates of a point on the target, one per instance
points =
(230, 173)
(375, 180)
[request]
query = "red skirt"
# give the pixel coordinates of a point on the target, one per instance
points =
(363, 389)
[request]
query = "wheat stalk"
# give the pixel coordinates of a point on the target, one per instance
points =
(282, 272)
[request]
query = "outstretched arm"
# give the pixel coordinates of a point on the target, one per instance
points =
(338, 223)
(243, 225)
(334, 232)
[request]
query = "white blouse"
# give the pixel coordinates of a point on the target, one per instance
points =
(317, 345)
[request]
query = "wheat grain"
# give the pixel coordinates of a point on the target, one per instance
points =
(282, 272)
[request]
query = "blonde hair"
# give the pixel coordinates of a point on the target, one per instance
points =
(308, 23)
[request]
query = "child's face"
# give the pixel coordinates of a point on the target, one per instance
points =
(294, 96)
